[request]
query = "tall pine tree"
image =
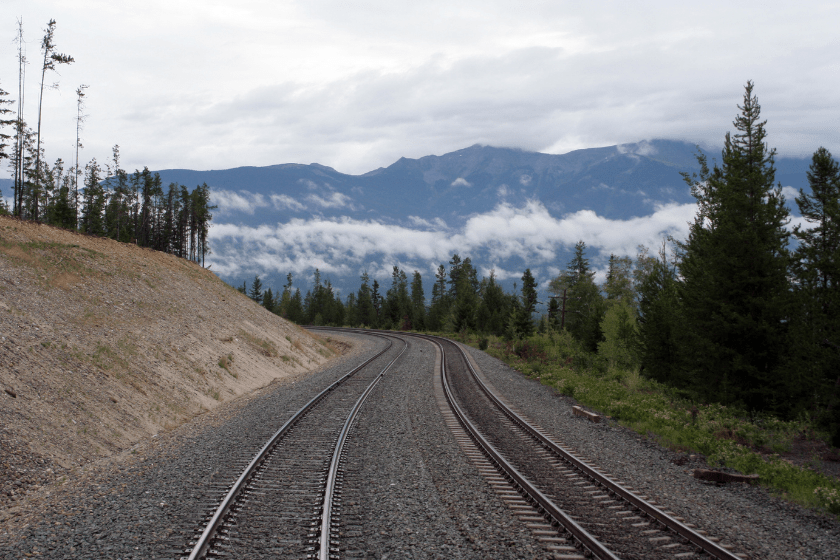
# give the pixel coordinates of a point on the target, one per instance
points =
(735, 290)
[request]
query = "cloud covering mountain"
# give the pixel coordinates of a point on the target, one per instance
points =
(506, 209)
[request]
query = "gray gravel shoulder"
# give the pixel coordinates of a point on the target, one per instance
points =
(756, 522)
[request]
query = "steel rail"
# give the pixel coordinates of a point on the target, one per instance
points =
(326, 512)
(696, 539)
(648, 509)
(587, 540)
(204, 541)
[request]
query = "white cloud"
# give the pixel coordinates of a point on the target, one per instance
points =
(527, 234)
(281, 201)
(358, 86)
(333, 200)
(460, 182)
(525, 180)
(790, 194)
(242, 201)
(309, 184)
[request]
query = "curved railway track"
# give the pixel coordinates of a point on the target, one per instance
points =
(284, 502)
(601, 516)
(571, 506)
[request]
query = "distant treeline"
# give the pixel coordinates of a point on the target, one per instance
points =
(131, 208)
(745, 311)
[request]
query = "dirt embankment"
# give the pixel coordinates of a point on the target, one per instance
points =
(103, 344)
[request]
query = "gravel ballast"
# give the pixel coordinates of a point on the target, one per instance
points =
(409, 491)
(758, 524)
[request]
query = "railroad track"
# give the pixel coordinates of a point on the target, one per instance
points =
(572, 507)
(285, 501)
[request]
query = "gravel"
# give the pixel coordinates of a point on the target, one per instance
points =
(409, 491)
(146, 503)
(757, 523)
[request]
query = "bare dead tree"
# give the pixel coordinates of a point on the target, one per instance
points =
(80, 118)
(51, 60)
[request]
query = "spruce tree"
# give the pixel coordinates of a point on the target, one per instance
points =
(418, 303)
(735, 289)
(658, 319)
(523, 315)
(4, 121)
(365, 312)
(816, 361)
(255, 292)
(584, 303)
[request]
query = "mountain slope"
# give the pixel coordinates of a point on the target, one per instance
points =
(103, 344)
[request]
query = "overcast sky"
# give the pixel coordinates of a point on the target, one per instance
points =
(356, 85)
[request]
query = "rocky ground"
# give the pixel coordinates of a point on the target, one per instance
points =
(104, 344)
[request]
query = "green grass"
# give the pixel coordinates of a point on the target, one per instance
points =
(726, 436)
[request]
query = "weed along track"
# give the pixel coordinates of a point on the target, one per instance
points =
(285, 502)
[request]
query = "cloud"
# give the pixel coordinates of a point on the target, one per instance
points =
(460, 182)
(525, 180)
(242, 201)
(356, 87)
(248, 202)
(281, 201)
(790, 194)
(527, 236)
(333, 200)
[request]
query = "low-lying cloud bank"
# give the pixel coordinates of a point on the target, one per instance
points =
(519, 237)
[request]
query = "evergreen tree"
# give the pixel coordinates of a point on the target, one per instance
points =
(522, 319)
(658, 319)
(735, 290)
(268, 301)
(418, 303)
(584, 303)
(365, 312)
(441, 302)
(4, 122)
(376, 302)
(92, 214)
(296, 314)
(815, 359)
(495, 307)
(465, 298)
(255, 293)
(351, 311)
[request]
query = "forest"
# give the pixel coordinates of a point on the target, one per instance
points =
(744, 312)
(109, 202)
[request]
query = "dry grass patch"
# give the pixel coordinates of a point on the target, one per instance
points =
(264, 347)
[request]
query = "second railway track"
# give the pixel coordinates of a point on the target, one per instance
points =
(598, 515)
(284, 502)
